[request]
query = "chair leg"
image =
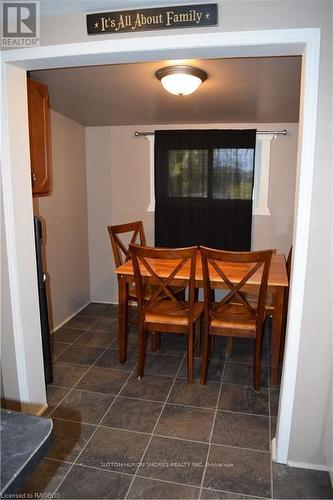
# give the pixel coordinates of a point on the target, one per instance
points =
(207, 343)
(141, 352)
(197, 338)
(123, 320)
(155, 342)
(210, 344)
(190, 355)
(229, 345)
(257, 361)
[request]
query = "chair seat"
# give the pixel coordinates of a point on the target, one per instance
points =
(168, 312)
(234, 316)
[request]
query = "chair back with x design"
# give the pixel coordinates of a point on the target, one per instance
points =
(149, 266)
(241, 267)
(133, 232)
(165, 310)
(234, 315)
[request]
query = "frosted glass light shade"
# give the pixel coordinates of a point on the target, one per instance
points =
(181, 80)
(179, 84)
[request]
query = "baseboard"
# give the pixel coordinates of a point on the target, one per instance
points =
(69, 318)
(105, 302)
(135, 304)
(34, 409)
(301, 465)
(304, 465)
(42, 410)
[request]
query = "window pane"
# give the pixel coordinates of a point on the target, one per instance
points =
(232, 174)
(188, 173)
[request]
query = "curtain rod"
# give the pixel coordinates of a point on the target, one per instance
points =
(273, 132)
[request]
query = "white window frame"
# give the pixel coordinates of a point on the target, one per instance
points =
(151, 140)
(261, 174)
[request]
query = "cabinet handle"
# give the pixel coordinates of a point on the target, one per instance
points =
(33, 178)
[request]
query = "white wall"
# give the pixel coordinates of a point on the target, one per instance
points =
(8, 374)
(64, 217)
(118, 192)
(276, 230)
(21, 255)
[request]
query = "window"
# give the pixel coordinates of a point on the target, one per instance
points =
(261, 173)
(203, 187)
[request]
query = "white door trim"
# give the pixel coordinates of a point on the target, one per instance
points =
(304, 42)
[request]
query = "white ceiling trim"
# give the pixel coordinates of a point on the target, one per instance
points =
(214, 45)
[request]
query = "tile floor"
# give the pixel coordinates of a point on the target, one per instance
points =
(159, 438)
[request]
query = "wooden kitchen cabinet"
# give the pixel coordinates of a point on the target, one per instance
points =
(40, 137)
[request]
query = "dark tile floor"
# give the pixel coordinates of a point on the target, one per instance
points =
(159, 438)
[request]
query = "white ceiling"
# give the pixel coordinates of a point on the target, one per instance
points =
(260, 90)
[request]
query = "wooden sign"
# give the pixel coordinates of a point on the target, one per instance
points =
(185, 16)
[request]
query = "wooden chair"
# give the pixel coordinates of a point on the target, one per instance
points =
(133, 230)
(252, 299)
(165, 311)
(121, 236)
(269, 306)
(234, 315)
(134, 233)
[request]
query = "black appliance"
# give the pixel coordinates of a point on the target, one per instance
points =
(44, 317)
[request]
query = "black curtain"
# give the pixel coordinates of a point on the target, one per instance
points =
(203, 188)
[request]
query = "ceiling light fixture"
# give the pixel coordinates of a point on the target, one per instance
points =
(181, 80)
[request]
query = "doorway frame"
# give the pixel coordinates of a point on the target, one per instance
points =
(16, 180)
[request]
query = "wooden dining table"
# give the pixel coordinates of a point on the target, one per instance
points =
(277, 285)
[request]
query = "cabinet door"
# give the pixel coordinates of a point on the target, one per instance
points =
(40, 140)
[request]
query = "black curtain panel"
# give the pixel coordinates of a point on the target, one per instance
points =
(203, 188)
